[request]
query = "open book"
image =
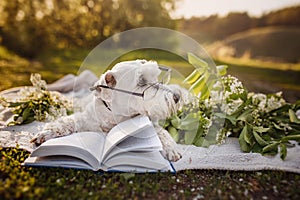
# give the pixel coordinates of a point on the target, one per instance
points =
(131, 146)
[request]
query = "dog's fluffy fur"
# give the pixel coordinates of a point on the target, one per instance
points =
(109, 107)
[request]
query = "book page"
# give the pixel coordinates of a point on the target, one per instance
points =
(58, 161)
(145, 140)
(124, 130)
(129, 161)
(83, 145)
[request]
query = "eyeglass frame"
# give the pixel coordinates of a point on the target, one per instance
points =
(163, 68)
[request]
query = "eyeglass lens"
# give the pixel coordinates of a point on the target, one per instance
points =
(150, 91)
(165, 75)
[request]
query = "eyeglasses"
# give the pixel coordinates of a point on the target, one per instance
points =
(150, 91)
(166, 76)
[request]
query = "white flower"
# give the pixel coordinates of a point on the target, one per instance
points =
(232, 106)
(257, 120)
(227, 92)
(274, 102)
(40, 115)
(233, 85)
(298, 114)
(268, 103)
(58, 99)
(260, 100)
(19, 120)
(37, 82)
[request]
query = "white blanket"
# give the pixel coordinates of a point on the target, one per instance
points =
(227, 156)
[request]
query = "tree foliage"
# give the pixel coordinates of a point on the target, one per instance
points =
(28, 27)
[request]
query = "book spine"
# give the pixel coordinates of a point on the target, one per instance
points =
(173, 168)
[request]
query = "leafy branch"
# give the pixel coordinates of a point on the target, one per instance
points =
(37, 103)
(263, 124)
(203, 77)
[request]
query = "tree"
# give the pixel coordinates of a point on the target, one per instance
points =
(20, 30)
(29, 27)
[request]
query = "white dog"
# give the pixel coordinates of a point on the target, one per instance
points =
(130, 88)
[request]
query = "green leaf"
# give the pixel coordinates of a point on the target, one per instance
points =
(293, 117)
(222, 70)
(256, 148)
(232, 119)
(243, 144)
(292, 137)
(205, 92)
(15, 104)
(200, 84)
(277, 126)
(283, 151)
(245, 115)
(244, 97)
(164, 123)
(201, 142)
(211, 135)
(26, 113)
(190, 136)
(196, 61)
(282, 109)
(204, 143)
(238, 112)
(193, 77)
(260, 129)
(259, 139)
(28, 120)
(190, 122)
(174, 133)
(247, 135)
(175, 121)
(200, 132)
(271, 147)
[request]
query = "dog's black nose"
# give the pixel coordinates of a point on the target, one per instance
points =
(176, 97)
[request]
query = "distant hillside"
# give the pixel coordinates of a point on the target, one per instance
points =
(210, 29)
(280, 44)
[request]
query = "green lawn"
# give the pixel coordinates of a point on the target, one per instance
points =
(15, 70)
(18, 182)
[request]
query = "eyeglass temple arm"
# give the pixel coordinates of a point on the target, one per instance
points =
(116, 89)
(163, 68)
(166, 69)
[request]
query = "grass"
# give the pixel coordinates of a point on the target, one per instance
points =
(260, 64)
(15, 70)
(18, 182)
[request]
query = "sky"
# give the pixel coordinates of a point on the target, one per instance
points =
(198, 8)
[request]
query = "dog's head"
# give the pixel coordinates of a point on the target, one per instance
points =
(132, 87)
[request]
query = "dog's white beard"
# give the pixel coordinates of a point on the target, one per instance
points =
(160, 107)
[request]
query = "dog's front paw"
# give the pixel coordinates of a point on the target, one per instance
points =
(171, 153)
(41, 137)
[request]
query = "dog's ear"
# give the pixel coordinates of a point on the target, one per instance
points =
(110, 79)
